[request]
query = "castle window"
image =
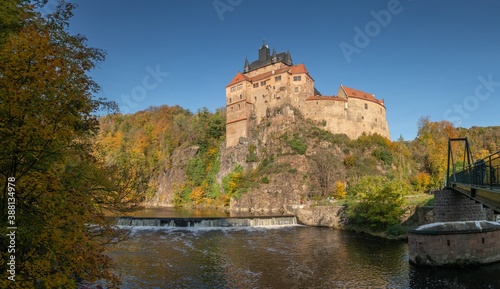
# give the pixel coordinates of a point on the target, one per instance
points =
(233, 88)
(366, 105)
(277, 78)
(255, 98)
(255, 85)
(297, 78)
(230, 100)
(240, 86)
(296, 89)
(239, 106)
(262, 83)
(232, 108)
(241, 96)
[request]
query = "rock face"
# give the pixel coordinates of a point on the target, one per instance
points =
(320, 216)
(172, 176)
(290, 178)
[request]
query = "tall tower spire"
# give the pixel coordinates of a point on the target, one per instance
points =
(274, 58)
(246, 68)
(288, 59)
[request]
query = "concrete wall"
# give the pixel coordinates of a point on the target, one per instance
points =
(452, 206)
(454, 249)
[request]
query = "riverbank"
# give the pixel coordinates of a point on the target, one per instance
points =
(336, 217)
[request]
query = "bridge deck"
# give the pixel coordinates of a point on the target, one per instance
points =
(487, 195)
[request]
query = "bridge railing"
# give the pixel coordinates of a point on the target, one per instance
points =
(483, 173)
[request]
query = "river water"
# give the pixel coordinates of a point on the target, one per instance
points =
(291, 256)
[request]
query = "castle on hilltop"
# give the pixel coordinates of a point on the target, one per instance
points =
(273, 80)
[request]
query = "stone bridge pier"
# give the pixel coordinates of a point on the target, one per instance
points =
(464, 233)
(452, 206)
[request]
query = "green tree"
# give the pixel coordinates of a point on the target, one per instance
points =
(376, 202)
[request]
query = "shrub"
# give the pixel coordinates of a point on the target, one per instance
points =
(297, 144)
(376, 202)
(383, 155)
(339, 192)
(350, 161)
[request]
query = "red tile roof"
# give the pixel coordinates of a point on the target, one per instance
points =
(299, 68)
(351, 92)
(238, 78)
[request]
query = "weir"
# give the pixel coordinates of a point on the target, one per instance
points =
(257, 221)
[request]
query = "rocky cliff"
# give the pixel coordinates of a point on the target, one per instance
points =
(294, 162)
(172, 176)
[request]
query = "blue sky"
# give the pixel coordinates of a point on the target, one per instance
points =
(424, 58)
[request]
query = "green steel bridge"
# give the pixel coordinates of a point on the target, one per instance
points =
(479, 180)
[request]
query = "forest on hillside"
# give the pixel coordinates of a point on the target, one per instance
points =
(145, 141)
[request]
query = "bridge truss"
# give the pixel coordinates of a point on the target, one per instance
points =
(478, 180)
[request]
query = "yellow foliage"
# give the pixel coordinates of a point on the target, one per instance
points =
(197, 194)
(340, 191)
(422, 181)
(212, 151)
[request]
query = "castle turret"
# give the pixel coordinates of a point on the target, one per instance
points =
(264, 53)
(247, 66)
(274, 58)
(288, 58)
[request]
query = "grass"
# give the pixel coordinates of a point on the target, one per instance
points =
(420, 199)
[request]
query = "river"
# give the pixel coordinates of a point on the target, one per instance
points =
(291, 256)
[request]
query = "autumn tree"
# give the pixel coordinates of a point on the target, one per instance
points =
(47, 121)
(327, 168)
(430, 148)
(376, 202)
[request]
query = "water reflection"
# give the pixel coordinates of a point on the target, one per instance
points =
(277, 257)
(293, 257)
(479, 277)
